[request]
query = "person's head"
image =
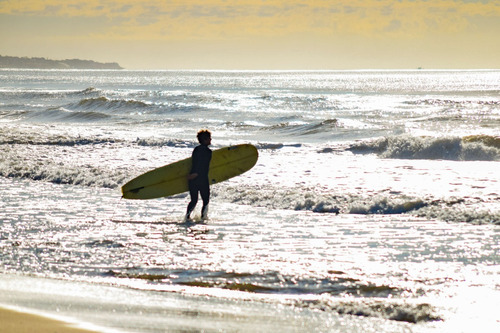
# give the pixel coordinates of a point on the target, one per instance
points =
(204, 137)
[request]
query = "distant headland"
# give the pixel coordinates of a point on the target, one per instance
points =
(43, 63)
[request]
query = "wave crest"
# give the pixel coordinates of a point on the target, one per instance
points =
(382, 203)
(300, 128)
(387, 309)
(106, 104)
(59, 174)
(472, 148)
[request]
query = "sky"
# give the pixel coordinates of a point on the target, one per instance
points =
(257, 34)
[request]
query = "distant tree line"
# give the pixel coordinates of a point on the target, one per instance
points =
(43, 63)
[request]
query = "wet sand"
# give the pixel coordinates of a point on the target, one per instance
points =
(20, 322)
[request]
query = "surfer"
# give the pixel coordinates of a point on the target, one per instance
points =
(198, 177)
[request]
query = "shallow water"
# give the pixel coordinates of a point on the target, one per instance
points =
(374, 205)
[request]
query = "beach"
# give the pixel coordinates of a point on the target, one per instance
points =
(374, 205)
(21, 322)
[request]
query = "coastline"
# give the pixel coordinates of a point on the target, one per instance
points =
(14, 321)
(7, 62)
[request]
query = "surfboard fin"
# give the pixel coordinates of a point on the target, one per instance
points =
(136, 190)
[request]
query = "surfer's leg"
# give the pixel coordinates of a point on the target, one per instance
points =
(205, 196)
(193, 192)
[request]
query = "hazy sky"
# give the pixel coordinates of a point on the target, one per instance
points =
(256, 34)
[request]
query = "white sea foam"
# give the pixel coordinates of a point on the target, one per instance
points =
(298, 188)
(432, 148)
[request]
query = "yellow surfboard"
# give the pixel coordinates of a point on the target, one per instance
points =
(171, 179)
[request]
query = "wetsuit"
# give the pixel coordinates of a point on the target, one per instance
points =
(201, 162)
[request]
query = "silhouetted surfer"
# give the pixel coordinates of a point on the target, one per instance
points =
(198, 177)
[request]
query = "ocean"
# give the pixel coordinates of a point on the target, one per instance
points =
(374, 205)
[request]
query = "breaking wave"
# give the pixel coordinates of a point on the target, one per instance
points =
(92, 108)
(451, 210)
(155, 142)
(53, 172)
(106, 104)
(392, 310)
(301, 128)
(20, 137)
(470, 148)
(9, 136)
(65, 115)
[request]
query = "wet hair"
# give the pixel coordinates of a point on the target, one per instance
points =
(202, 134)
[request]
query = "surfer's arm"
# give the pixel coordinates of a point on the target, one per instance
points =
(192, 176)
(195, 164)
